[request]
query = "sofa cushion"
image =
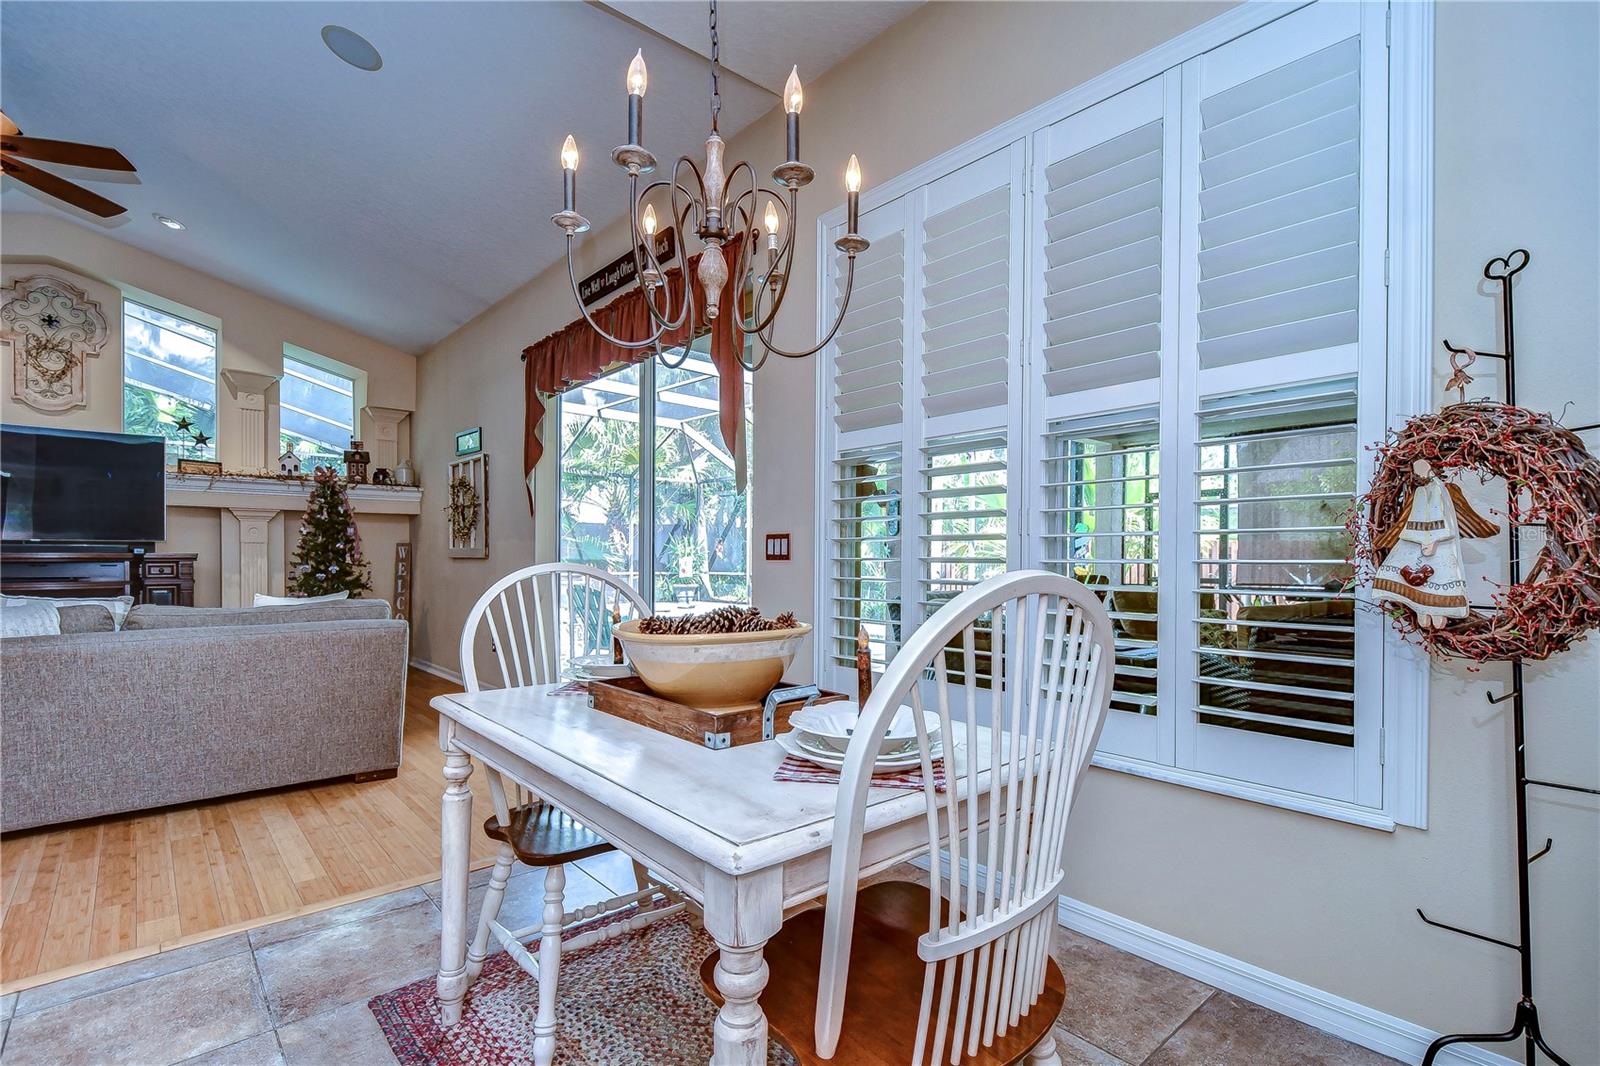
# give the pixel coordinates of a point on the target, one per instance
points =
(119, 606)
(27, 617)
(86, 618)
(150, 616)
(263, 600)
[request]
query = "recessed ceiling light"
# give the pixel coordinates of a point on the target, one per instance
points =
(351, 47)
(169, 222)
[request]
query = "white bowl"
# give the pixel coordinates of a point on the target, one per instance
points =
(836, 723)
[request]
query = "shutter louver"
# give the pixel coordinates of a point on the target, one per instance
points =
(1103, 264)
(1276, 474)
(1100, 525)
(869, 349)
(1279, 210)
(864, 572)
(966, 301)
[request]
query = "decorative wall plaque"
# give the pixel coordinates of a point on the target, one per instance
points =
(53, 327)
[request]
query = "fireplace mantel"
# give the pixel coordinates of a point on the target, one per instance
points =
(267, 494)
(252, 510)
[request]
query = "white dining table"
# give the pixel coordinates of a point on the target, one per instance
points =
(713, 823)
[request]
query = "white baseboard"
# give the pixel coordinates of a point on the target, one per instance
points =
(436, 670)
(1355, 1022)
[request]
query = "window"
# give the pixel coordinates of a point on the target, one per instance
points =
(318, 416)
(169, 380)
(683, 491)
(1155, 375)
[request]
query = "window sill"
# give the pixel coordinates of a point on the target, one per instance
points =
(1243, 790)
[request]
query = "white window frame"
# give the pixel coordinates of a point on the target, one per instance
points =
(355, 375)
(187, 314)
(645, 535)
(1408, 33)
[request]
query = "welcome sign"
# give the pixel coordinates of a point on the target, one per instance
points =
(619, 273)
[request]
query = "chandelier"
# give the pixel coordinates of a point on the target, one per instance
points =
(723, 204)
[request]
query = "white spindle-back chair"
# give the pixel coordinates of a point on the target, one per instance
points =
(537, 620)
(1018, 669)
(986, 958)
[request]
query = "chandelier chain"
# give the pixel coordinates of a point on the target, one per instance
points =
(716, 69)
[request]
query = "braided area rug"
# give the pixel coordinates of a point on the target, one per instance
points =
(632, 1001)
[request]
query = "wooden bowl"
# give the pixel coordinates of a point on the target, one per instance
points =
(708, 671)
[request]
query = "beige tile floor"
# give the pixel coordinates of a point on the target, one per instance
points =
(295, 994)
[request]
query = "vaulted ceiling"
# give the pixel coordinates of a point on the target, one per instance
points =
(400, 202)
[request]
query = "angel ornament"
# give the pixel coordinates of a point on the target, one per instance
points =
(1422, 570)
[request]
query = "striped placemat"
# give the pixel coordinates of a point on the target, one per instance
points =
(794, 768)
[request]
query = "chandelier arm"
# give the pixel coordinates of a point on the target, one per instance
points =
(696, 200)
(849, 283)
(786, 255)
(663, 318)
(572, 276)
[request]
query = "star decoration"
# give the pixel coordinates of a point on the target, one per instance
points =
(183, 424)
(201, 440)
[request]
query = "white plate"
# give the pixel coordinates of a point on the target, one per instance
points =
(789, 743)
(599, 671)
(837, 721)
(823, 746)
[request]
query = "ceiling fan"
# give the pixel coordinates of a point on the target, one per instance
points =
(68, 153)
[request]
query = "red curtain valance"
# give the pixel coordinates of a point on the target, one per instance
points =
(575, 355)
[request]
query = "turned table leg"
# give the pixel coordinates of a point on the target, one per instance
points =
(455, 836)
(742, 913)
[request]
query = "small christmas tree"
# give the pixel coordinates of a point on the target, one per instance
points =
(328, 558)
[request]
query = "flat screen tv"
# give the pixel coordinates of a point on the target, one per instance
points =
(75, 487)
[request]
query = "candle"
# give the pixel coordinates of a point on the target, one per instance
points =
(793, 98)
(616, 645)
(569, 174)
(771, 222)
(638, 79)
(863, 667)
(852, 185)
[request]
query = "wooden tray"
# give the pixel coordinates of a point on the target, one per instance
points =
(628, 698)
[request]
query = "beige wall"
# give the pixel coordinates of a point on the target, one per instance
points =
(1318, 901)
(253, 331)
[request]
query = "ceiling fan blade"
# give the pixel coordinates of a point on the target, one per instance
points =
(60, 188)
(7, 127)
(69, 153)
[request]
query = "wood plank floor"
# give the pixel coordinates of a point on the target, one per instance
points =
(113, 889)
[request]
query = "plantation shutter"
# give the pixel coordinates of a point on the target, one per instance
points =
(1280, 227)
(864, 577)
(1100, 524)
(1105, 240)
(969, 321)
(869, 349)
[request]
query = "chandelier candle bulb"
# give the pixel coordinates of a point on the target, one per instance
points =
(793, 98)
(648, 222)
(638, 79)
(569, 174)
(770, 221)
(852, 186)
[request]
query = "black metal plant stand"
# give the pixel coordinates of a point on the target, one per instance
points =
(1525, 1021)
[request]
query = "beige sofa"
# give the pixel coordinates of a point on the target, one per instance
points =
(186, 704)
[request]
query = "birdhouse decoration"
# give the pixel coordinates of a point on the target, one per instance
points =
(356, 462)
(289, 463)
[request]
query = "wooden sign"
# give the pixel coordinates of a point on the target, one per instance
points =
(619, 273)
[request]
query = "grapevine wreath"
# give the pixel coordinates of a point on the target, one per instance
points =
(463, 509)
(1551, 480)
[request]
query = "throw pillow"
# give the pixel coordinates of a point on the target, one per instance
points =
(87, 618)
(263, 600)
(28, 617)
(119, 606)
